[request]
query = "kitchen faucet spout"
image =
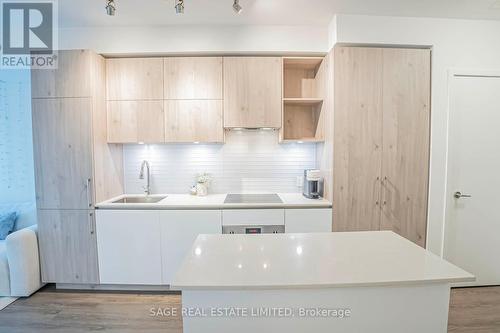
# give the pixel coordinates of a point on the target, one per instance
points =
(145, 165)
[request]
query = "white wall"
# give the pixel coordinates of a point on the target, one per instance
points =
(248, 162)
(197, 39)
(456, 44)
(332, 33)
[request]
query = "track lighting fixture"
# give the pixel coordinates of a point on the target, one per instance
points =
(236, 7)
(110, 7)
(179, 6)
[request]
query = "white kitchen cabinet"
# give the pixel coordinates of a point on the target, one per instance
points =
(308, 220)
(147, 247)
(179, 229)
(129, 247)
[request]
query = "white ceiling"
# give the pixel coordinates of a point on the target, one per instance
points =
(77, 13)
(85, 13)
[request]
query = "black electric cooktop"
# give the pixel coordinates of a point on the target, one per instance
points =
(252, 198)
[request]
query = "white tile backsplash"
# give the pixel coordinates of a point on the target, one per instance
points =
(250, 161)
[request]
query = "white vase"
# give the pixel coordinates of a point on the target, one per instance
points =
(201, 189)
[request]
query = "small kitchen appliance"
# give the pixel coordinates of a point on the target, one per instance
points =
(312, 188)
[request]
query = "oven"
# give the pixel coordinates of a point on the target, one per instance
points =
(253, 221)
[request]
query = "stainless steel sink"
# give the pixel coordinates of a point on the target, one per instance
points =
(146, 199)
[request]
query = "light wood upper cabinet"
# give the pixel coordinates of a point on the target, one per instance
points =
(62, 151)
(252, 92)
(136, 121)
(193, 78)
(193, 99)
(70, 79)
(134, 79)
(357, 138)
(189, 88)
(193, 121)
(406, 124)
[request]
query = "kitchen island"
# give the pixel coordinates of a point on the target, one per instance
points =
(320, 282)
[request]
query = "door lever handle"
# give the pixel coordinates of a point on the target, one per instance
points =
(459, 195)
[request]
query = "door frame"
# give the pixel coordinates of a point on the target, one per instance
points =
(452, 73)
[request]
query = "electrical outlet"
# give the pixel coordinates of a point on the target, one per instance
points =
(298, 181)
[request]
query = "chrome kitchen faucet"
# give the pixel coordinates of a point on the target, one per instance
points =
(147, 188)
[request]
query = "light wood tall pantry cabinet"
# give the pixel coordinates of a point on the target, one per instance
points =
(74, 165)
(381, 140)
(63, 177)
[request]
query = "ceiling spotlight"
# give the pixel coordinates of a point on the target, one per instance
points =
(110, 7)
(236, 6)
(179, 6)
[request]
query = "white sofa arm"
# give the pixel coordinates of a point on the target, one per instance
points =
(24, 263)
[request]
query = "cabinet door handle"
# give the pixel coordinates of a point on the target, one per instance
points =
(91, 223)
(89, 193)
(459, 195)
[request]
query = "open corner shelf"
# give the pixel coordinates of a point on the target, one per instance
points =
(307, 63)
(303, 86)
(301, 122)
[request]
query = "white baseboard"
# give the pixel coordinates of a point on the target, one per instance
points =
(6, 301)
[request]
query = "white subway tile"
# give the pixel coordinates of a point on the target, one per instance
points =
(248, 162)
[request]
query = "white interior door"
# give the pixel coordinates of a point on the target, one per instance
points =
(472, 234)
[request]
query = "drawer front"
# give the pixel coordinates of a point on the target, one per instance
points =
(308, 220)
(253, 217)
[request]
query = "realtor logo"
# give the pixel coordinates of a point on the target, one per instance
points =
(29, 34)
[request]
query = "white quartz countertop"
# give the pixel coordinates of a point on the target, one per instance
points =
(213, 201)
(317, 260)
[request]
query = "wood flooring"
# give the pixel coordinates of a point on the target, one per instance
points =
(472, 310)
(53, 311)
